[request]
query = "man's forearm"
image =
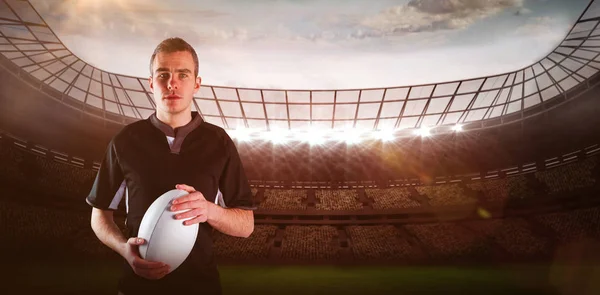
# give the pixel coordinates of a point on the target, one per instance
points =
(234, 222)
(107, 231)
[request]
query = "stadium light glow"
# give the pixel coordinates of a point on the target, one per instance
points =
(315, 136)
(241, 134)
(319, 136)
(384, 135)
(277, 136)
(423, 131)
(301, 135)
(349, 135)
(353, 137)
(457, 128)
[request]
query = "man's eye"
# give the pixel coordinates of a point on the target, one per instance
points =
(163, 76)
(183, 76)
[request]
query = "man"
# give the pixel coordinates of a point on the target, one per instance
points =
(173, 148)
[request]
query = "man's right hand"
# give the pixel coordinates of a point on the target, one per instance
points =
(151, 270)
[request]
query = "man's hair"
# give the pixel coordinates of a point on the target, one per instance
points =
(171, 45)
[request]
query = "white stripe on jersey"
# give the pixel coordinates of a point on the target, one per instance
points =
(114, 204)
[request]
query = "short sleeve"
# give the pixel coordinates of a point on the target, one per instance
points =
(233, 182)
(108, 188)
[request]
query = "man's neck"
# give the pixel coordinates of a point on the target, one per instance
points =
(175, 120)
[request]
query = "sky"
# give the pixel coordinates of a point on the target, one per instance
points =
(312, 44)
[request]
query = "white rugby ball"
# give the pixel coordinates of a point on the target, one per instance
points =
(167, 239)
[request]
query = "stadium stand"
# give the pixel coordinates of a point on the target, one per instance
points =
(378, 242)
(69, 181)
(450, 241)
(283, 199)
(514, 235)
(340, 199)
(310, 243)
(41, 232)
(501, 190)
(63, 226)
(570, 176)
(443, 195)
(45, 174)
(64, 231)
(12, 168)
(574, 225)
(391, 198)
(255, 247)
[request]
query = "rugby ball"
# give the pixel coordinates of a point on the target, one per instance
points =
(167, 239)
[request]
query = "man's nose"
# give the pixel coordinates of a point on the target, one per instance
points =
(172, 84)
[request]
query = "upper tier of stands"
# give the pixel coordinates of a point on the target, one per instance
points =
(70, 183)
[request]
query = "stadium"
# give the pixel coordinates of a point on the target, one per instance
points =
(481, 185)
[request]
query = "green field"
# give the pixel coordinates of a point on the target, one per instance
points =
(100, 278)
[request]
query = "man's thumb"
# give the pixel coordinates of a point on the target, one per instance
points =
(136, 241)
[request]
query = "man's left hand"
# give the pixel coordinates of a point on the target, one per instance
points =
(200, 208)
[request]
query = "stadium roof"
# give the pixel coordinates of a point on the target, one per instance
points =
(31, 44)
(333, 44)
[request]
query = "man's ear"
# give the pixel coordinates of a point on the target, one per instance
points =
(151, 83)
(198, 84)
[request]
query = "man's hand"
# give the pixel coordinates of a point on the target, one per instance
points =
(201, 210)
(147, 269)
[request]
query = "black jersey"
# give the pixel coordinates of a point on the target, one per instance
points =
(148, 158)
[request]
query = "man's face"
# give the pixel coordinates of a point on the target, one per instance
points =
(173, 82)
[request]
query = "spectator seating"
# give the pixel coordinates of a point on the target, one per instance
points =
(569, 177)
(254, 247)
(514, 235)
(337, 199)
(573, 226)
(283, 199)
(450, 241)
(501, 190)
(444, 195)
(310, 243)
(377, 242)
(391, 198)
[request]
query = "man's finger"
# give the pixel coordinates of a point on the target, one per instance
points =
(146, 266)
(190, 213)
(154, 273)
(185, 187)
(195, 196)
(199, 219)
(152, 276)
(159, 273)
(136, 241)
(188, 205)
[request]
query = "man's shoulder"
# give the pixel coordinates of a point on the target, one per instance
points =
(131, 129)
(213, 131)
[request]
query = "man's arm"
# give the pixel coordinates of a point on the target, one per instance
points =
(107, 231)
(231, 221)
(109, 234)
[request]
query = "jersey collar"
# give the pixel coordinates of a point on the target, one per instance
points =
(178, 133)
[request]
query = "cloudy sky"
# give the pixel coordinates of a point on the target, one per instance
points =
(312, 44)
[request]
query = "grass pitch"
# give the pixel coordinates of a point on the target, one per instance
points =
(99, 277)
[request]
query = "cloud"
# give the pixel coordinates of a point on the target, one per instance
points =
(538, 25)
(523, 11)
(115, 17)
(313, 46)
(305, 27)
(435, 15)
(543, 33)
